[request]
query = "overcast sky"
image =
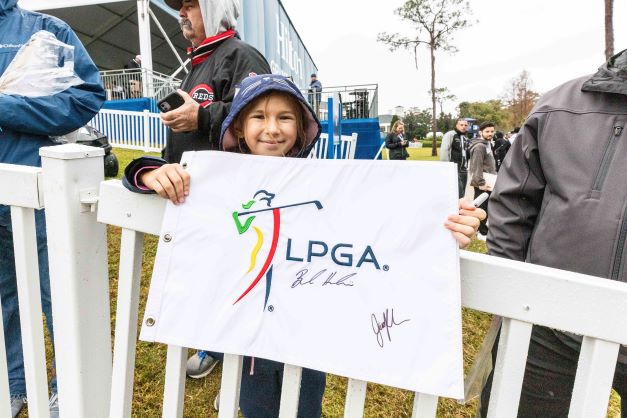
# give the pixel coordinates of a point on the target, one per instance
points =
(554, 40)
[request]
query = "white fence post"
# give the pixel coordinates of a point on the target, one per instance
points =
(29, 296)
(77, 249)
(146, 120)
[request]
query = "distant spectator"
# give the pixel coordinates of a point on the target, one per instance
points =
(482, 162)
(396, 143)
(315, 93)
(454, 148)
(134, 87)
(501, 146)
(134, 63)
(514, 134)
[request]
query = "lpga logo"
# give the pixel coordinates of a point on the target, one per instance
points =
(248, 217)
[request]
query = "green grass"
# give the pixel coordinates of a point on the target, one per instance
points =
(381, 401)
(422, 154)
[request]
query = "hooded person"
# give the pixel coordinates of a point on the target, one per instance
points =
(454, 148)
(26, 124)
(260, 392)
(560, 201)
(220, 61)
(256, 87)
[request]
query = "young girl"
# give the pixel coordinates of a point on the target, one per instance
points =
(269, 116)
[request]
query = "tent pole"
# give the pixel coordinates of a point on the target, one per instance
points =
(145, 46)
(167, 39)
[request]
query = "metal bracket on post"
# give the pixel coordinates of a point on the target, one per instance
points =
(89, 200)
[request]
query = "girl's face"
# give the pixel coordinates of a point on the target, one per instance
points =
(270, 127)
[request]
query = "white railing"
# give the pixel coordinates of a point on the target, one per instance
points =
(346, 147)
(145, 131)
(132, 130)
(137, 83)
(523, 294)
(358, 101)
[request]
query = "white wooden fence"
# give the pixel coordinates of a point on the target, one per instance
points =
(69, 186)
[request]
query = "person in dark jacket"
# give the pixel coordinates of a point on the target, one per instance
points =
(396, 143)
(220, 61)
(26, 124)
(315, 92)
(482, 162)
(561, 202)
(501, 146)
(454, 148)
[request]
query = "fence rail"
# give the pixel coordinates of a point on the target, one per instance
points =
(136, 83)
(523, 294)
(132, 130)
(358, 101)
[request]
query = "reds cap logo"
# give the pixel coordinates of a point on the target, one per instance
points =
(203, 94)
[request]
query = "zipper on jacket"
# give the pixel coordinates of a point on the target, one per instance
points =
(607, 158)
(620, 248)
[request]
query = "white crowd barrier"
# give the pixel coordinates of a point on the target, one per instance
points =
(132, 130)
(92, 384)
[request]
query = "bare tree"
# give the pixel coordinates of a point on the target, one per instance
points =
(435, 22)
(520, 98)
(442, 95)
(609, 28)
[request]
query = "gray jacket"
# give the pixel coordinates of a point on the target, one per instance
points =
(481, 161)
(561, 196)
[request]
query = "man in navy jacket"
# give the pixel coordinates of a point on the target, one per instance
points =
(25, 126)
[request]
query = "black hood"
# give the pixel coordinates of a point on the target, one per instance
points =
(611, 77)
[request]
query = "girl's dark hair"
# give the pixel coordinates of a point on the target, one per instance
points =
(301, 122)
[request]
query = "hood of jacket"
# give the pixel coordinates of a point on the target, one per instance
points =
(219, 15)
(476, 142)
(611, 77)
(7, 4)
(253, 87)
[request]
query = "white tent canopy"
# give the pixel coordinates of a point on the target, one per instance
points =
(115, 31)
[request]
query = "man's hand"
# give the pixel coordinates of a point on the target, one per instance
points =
(170, 181)
(464, 225)
(183, 118)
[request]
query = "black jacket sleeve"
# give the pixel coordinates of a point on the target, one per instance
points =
(391, 142)
(130, 172)
(517, 197)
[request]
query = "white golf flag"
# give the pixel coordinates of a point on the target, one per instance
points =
(342, 266)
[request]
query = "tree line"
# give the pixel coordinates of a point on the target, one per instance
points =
(506, 112)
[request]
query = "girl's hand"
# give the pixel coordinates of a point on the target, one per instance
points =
(170, 181)
(465, 224)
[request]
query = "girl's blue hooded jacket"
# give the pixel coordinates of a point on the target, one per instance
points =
(26, 123)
